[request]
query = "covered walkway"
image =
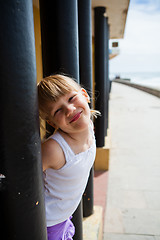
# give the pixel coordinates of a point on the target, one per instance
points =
(133, 197)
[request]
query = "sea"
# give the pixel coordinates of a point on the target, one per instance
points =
(149, 79)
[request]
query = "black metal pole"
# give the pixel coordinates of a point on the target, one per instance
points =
(85, 61)
(88, 196)
(107, 75)
(3, 207)
(3, 187)
(85, 43)
(24, 200)
(59, 28)
(100, 73)
(60, 51)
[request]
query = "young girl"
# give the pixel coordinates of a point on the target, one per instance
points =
(68, 154)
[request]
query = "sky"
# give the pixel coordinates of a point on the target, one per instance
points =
(140, 48)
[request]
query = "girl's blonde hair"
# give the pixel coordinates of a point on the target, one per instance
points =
(51, 88)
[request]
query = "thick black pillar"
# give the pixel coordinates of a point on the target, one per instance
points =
(85, 62)
(3, 207)
(59, 27)
(85, 43)
(88, 196)
(107, 75)
(21, 164)
(100, 73)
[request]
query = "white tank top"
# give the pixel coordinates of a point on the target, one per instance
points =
(64, 187)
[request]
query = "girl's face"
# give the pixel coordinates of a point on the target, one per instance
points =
(71, 113)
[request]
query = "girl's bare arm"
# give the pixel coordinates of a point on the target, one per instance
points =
(52, 155)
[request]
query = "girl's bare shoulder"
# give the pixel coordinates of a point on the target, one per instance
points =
(52, 155)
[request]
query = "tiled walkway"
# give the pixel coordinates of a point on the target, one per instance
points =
(100, 189)
(133, 196)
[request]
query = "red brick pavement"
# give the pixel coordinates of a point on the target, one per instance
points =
(100, 188)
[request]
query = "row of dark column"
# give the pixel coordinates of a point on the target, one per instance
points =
(66, 47)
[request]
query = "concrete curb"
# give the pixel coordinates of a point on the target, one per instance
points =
(93, 225)
(149, 90)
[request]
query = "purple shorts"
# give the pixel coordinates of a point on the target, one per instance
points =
(61, 231)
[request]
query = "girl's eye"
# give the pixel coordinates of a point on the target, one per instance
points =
(70, 99)
(57, 111)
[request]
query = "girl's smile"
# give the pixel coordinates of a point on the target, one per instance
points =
(76, 117)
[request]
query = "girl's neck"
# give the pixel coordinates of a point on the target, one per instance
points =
(77, 137)
(78, 142)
